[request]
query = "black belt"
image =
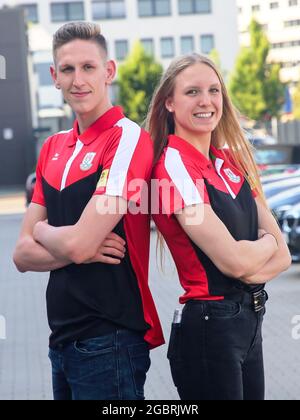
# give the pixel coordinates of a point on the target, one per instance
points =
(256, 300)
(259, 300)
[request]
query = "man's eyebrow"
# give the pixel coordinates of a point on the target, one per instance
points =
(61, 66)
(83, 63)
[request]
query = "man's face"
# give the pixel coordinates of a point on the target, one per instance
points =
(83, 74)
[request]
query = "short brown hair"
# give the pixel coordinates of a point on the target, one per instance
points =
(78, 30)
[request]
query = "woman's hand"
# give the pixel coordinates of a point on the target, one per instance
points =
(112, 251)
(261, 233)
(254, 279)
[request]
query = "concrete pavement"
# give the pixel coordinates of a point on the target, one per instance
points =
(24, 366)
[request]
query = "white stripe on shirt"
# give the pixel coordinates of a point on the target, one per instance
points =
(181, 178)
(219, 163)
(77, 150)
(119, 169)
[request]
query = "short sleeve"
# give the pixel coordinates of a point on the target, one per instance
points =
(176, 185)
(127, 164)
(38, 194)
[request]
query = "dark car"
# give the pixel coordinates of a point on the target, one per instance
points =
(281, 203)
(276, 187)
(291, 231)
(271, 179)
(29, 187)
(278, 154)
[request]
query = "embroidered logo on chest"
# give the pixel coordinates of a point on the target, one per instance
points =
(87, 162)
(233, 178)
(103, 179)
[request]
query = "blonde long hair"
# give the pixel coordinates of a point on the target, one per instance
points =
(160, 122)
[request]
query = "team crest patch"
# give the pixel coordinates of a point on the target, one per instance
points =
(103, 179)
(233, 178)
(87, 162)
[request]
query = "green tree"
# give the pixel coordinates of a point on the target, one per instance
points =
(138, 77)
(296, 102)
(255, 85)
(215, 57)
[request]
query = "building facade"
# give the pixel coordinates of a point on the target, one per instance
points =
(16, 134)
(281, 22)
(166, 28)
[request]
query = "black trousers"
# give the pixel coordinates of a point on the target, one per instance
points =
(215, 353)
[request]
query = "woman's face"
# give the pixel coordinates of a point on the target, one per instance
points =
(197, 102)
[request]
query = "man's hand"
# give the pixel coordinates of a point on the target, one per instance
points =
(39, 228)
(112, 251)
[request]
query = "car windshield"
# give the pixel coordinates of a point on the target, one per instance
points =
(271, 156)
(278, 187)
(290, 197)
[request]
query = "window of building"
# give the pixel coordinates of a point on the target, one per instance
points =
(187, 44)
(121, 49)
(108, 9)
(186, 7)
(43, 72)
(287, 44)
(31, 12)
(255, 8)
(290, 23)
(154, 8)
(264, 27)
(293, 3)
(167, 47)
(274, 5)
(207, 43)
(148, 45)
(61, 12)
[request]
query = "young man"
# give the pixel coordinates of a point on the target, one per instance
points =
(91, 181)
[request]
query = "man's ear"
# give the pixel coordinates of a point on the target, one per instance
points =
(54, 77)
(111, 70)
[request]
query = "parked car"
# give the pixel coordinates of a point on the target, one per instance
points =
(278, 170)
(269, 179)
(283, 202)
(291, 231)
(278, 154)
(258, 140)
(277, 187)
(29, 187)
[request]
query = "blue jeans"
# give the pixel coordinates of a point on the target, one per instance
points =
(215, 353)
(110, 367)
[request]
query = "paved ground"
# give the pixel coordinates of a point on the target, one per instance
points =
(24, 367)
(12, 201)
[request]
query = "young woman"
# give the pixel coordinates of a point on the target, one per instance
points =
(224, 240)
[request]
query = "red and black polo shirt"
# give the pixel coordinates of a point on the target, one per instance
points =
(196, 180)
(87, 300)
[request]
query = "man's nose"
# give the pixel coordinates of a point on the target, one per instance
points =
(78, 78)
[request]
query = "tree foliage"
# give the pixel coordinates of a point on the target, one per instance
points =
(255, 85)
(296, 102)
(138, 77)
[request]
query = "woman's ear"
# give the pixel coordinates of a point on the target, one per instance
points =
(169, 105)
